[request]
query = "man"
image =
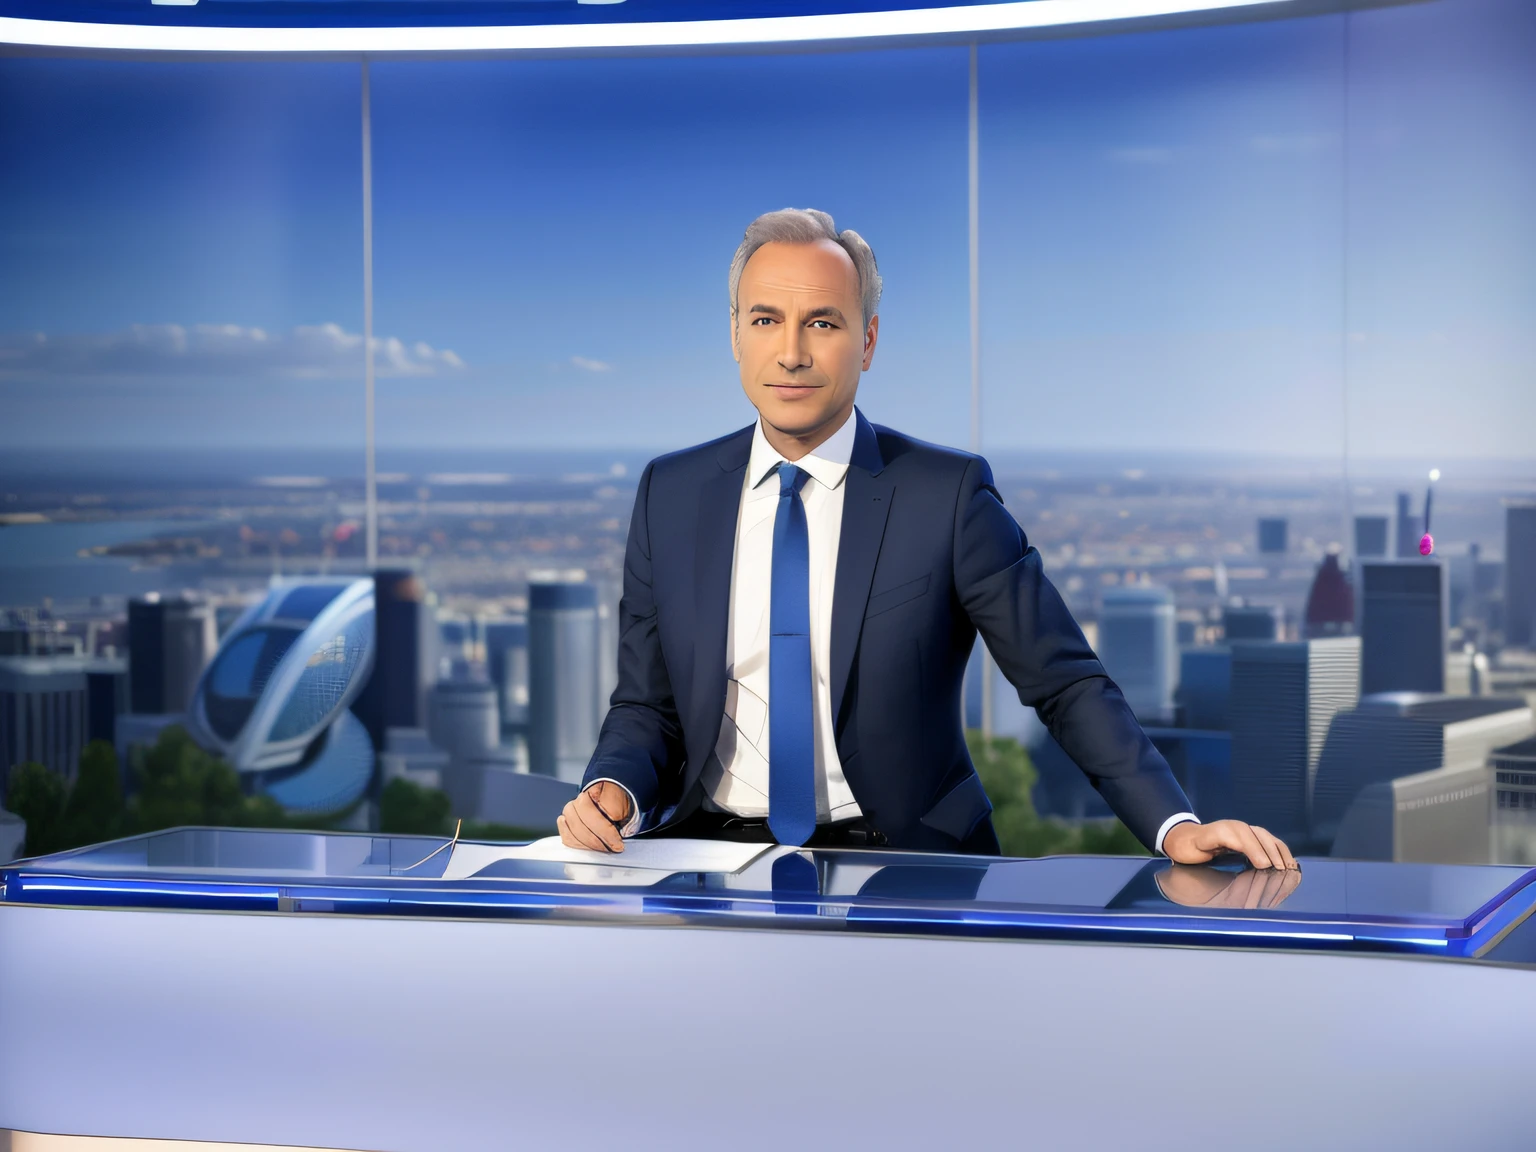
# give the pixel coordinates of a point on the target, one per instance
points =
(800, 600)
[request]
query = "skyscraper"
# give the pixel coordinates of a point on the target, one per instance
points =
(1371, 536)
(1408, 528)
(405, 659)
(563, 714)
(1138, 646)
(1284, 696)
(1252, 621)
(1403, 621)
(1520, 573)
(169, 644)
(1273, 531)
(1331, 601)
(52, 706)
(506, 663)
(1400, 734)
(1205, 687)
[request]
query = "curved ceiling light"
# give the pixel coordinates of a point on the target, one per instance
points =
(823, 28)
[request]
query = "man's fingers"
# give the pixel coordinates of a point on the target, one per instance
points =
(1275, 849)
(598, 824)
(1248, 844)
(581, 833)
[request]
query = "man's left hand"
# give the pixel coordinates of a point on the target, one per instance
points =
(1191, 843)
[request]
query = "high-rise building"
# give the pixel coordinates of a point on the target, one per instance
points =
(1331, 601)
(610, 590)
(1284, 697)
(1252, 622)
(1514, 810)
(1400, 734)
(563, 715)
(465, 723)
(169, 644)
(1403, 623)
(1520, 574)
(1138, 647)
(405, 664)
(52, 706)
(1205, 687)
(1408, 528)
(1372, 534)
(506, 663)
(1273, 531)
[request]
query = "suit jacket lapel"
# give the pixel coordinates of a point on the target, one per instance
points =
(866, 504)
(714, 552)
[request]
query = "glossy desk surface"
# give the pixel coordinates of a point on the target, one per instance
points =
(1441, 910)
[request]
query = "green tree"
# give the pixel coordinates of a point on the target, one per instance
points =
(406, 808)
(1009, 776)
(177, 782)
(93, 811)
(37, 795)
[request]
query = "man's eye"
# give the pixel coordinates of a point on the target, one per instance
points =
(762, 320)
(823, 323)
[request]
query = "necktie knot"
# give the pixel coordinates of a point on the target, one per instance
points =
(791, 479)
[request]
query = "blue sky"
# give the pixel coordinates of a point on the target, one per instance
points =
(1178, 251)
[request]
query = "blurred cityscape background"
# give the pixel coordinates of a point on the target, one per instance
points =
(1243, 287)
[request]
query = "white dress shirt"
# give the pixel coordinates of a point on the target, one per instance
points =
(736, 777)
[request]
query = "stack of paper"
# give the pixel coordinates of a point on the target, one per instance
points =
(646, 860)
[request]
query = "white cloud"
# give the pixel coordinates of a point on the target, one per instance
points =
(587, 365)
(320, 351)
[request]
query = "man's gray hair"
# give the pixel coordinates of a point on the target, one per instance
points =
(807, 226)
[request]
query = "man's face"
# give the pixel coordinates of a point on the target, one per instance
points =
(800, 337)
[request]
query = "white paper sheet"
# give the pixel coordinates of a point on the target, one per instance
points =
(645, 856)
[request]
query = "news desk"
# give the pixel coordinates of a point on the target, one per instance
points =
(317, 990)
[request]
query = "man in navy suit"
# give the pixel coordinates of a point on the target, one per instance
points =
(800, 600)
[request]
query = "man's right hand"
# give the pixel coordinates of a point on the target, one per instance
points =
(594, 818)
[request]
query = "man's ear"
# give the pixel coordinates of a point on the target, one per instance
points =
(735, 339)
(871, 336)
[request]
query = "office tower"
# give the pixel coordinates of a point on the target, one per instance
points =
(563, 713)
(1520, 574)
(1139, 648)
(1284, 696)
(1399, 734)
(1205, 687)
(275, 702)
(405, 665)
(506, 663)
(169, 644)
(1272, 536)
(1409, 528)
(408, 753)
(1514, 810)
(465, 723)
(52, 706)
(1331, 601)
(1371, 537)
(1252, 622)
(1403, 621)
(464, 718)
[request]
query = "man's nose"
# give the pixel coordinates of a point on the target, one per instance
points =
(793, 352)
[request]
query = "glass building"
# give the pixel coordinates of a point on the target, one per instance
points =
(274, 701)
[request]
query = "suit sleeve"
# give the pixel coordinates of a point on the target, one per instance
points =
(1041, 650)
(641, 744)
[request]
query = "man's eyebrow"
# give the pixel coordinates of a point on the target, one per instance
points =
(825, 310)
(768, 308)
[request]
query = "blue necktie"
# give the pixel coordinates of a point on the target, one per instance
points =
(791, 734)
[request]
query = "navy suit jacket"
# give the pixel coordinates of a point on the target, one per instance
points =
(927, 557)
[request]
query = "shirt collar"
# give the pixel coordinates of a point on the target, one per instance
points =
(827, 462)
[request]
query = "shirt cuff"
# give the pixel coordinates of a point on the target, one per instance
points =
(632, 825)
(1176, 818)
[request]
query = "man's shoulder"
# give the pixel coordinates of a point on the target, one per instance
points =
(898, 450)
(689, 461)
